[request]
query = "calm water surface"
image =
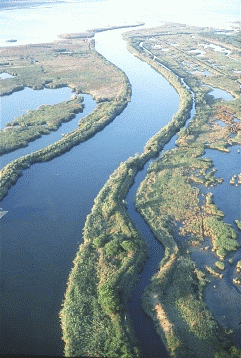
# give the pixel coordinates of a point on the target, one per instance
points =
(48, 206)
(218, 93)
(150, 342)
(5, 75)
(20, 102)
(47, 96)
(45, 23)
(224, 300)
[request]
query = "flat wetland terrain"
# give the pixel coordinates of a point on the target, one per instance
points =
(172, 198)
(169, 196)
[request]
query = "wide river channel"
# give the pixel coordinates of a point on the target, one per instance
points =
(47, 209)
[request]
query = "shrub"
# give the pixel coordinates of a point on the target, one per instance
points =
(220, 265)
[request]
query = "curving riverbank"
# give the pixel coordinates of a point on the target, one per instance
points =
(106, 291)
(112, 97)
(108, 217)
(91, 124)
(117, 257)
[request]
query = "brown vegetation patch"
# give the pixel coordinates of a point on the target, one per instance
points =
(73, 63)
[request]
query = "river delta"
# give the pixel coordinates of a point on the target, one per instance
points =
(188, 261)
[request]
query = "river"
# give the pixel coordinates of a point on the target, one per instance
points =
(48, 206)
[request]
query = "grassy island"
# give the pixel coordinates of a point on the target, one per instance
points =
(35, 123)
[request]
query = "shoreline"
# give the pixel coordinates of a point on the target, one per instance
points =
(91, 32)
(29, 4)
(111, 100)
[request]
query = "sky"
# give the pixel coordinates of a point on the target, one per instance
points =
(44, 23)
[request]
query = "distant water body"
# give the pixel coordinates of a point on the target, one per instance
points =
(30, 22)
(11, 4)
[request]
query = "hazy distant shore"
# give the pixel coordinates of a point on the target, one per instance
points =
(8, 5)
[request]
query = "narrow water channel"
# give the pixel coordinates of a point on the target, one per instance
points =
(48, 205)
(222, 296)
(150, 342)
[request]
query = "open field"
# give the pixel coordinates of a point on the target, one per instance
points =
(73, 63)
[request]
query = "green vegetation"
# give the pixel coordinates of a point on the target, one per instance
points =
(51, 68)
(230, 38)
(238, 266)
(169, 195)
(119, 250)
(112, 254)
(73, 63)
(119, 256)
(94, 319)
(91, 124)
(220, 265)
(213, 272)
(32, 125)
(238, 224)
(223, 235)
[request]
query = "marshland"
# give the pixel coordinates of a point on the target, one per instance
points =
(177, 199)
